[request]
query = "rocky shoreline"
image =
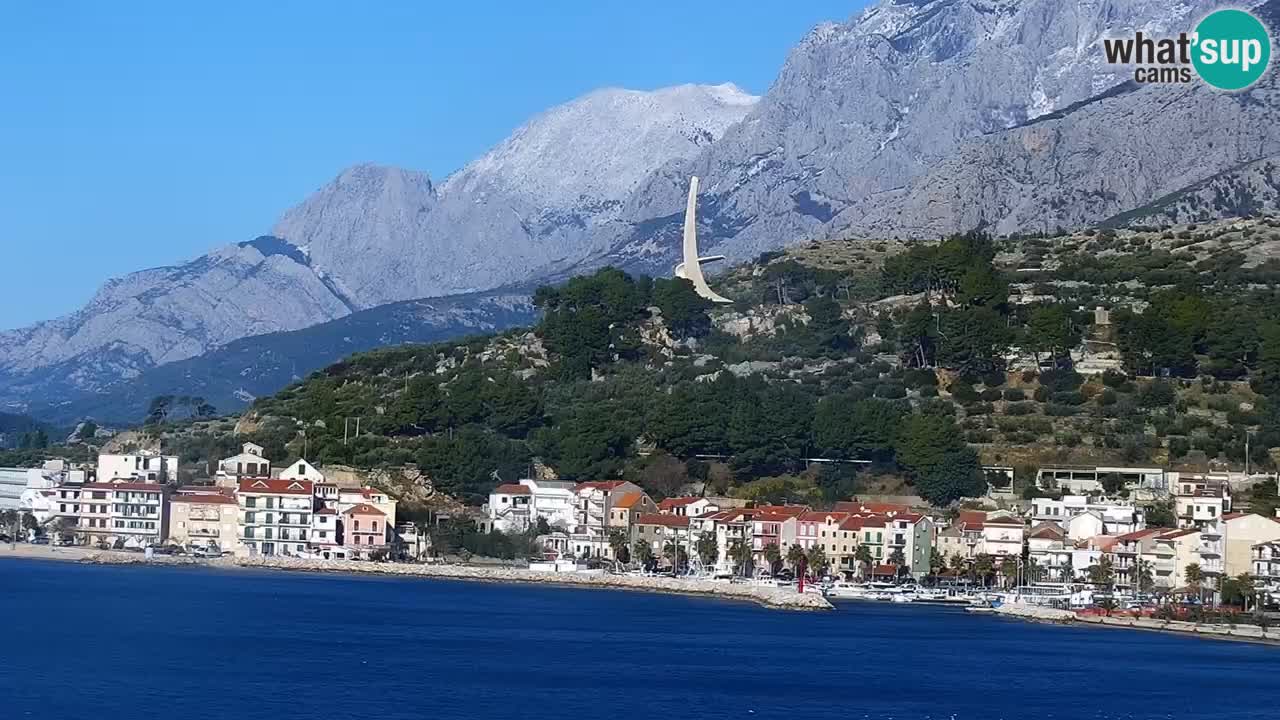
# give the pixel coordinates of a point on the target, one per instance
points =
(778, 598)
(1032, 613)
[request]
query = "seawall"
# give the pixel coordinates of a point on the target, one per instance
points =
(1247, 633)
(780, 598)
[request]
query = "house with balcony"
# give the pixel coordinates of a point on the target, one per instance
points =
(1133, 552)
(1174, 551)
(731, 526)
(1003, 534)
(912, 535)
(511, 508)
(123, 514)
(595, 501)
(364, 530)
(1266, 568)
(623, 514)
(1200, 500)
(658, 531)
(275, 515)
(774, 525)
(249, 462)
(204, 517)
(1048, 550)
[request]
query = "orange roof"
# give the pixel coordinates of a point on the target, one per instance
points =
(785, 510)
(816, 516)
(629, 500)
(662, 519)
(598, 485)
(672, 503)
(511, 489)
(853, 523)
(1047, 531)
(269, 486)
(362, 509)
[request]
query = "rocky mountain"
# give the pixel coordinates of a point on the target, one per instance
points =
(378, 235)
(526, 209)
(862, 110)
(913, 119)
(233, 375)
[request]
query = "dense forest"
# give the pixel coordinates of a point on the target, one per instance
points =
(845, 351)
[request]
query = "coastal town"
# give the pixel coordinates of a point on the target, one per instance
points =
(1096, 528)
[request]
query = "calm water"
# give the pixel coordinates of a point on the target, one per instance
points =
(133, 642)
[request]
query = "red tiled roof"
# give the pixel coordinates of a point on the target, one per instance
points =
(672, 503)
(362, 509)
(821, 517)
(326, 511)
(511, 489)
(662, 519)
(628, 500)
(785, 510)
(884, 570)
(873, 522)
(267, 486)
(1048, 531)
(852, 523)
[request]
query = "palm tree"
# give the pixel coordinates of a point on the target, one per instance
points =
(1143, 576)
(708, 548)
(985, 568)
(1195, 578)
(817, 559)
(740, 553)
(1008, 571)
(1068, 570)
(863, 555)
(773, 556)
(676, 554)
(618, 544)
(795, 557)
(643, 553)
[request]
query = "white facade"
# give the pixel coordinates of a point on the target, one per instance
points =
(275, 516)
(1003, 535)
(1118, 517)
(324, 530)
(138, 467)
(1085, 525)
(249, 463)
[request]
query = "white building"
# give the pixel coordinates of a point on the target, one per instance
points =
(303, 470)
(1118, 518)
(1200, 500)
(124, 514)
(325, 535)
(1085, 525)
(1266, 568)
(138, 467)
(1003, 534)
(1047, 548)
(1078, 480)
(249, 463)
(275, 515)
(511, 508)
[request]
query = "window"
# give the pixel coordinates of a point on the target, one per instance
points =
(356, 525)
(251, 502)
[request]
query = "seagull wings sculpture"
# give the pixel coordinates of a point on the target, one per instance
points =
(691, 268)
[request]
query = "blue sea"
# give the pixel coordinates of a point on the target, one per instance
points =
(115, 643)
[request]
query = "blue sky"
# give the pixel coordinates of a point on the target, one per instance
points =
(141, 134)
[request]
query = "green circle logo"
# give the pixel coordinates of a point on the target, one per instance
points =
(1232, 49)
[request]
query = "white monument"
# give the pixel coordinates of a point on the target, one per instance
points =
(691, 268)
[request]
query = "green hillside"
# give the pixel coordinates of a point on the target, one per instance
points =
(848, 350)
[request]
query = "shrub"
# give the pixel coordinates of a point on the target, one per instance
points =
(977, 436)
(1028, 376)
(1068, 398)
(963, 392)
(1016, 409)
(1069, 439)
(1057, 410)
(1114, 378)
(980, 408)
(1108, 397)
(991, 395)
(1157, 394)
(890, 391)
(1178, 447)
(917, 378)
(1014, 394)
(929, 391)
(993, 379)
(1061, 380)
(1041, 394)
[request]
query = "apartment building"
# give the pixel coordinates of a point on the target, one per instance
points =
(1133, 552)
(1047, 548)
(658, 530)
(123, 514)
(207, 518)
(515, 506)
(326, 535)
(275, 515)
(1175, 550)
(1087, 480)
(1200, 500)
(1003, 534)
(595, 501)
(1266, 568)
(511, 508)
